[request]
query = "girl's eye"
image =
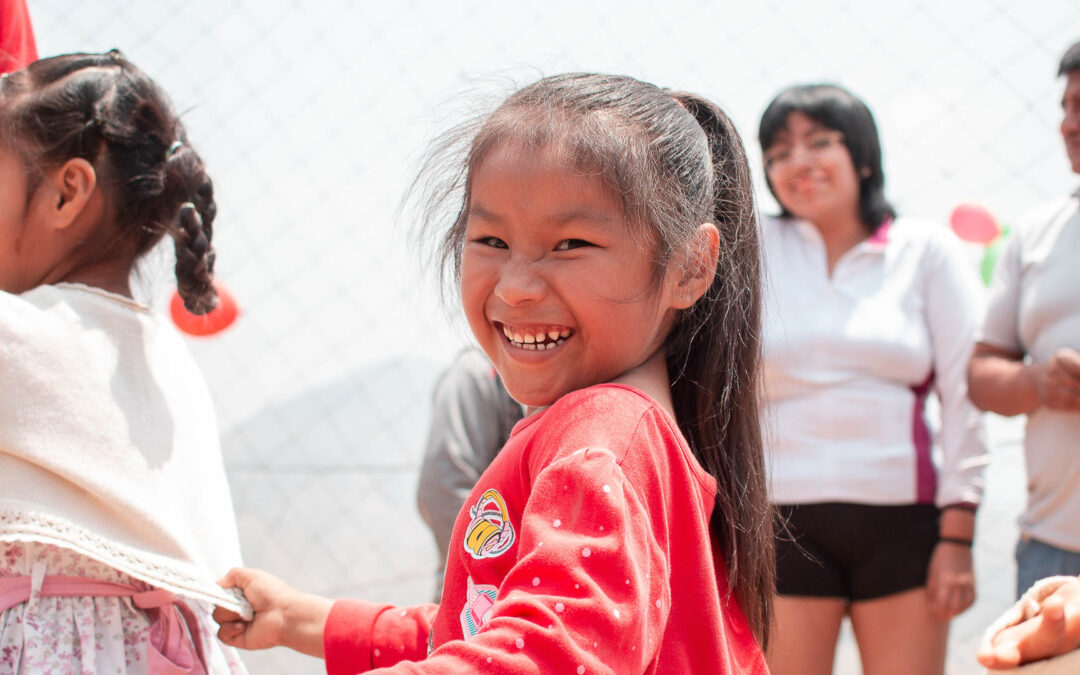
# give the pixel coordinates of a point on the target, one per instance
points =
(774, 156)
(493, 242)
(567, 244)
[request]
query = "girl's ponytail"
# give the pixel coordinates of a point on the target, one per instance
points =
(713, 360)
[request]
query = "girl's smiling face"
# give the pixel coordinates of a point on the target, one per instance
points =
(557, 290)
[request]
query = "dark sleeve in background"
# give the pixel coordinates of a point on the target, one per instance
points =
(471, 418)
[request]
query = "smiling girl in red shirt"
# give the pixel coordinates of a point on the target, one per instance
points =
(605, 247)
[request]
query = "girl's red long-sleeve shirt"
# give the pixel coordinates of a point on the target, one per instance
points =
(584, 548)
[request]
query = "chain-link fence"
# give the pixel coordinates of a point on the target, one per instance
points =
(312, 115)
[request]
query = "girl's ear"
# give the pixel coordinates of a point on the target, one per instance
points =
(70, 187)
(700, 267)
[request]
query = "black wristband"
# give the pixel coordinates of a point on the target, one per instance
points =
(956, 540)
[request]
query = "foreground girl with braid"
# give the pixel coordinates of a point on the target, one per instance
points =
(112, 488)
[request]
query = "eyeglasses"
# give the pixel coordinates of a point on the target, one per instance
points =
(816, 144)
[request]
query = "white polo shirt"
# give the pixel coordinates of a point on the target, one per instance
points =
(849, 360)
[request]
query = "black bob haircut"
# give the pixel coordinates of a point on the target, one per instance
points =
(836, 108)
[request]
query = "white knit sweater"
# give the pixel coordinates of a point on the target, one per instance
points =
(108, 441)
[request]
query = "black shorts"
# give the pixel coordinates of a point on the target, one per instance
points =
(853, 551)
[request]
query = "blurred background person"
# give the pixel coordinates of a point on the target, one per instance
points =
(1026, 361)
(866, 314)
(471, 418)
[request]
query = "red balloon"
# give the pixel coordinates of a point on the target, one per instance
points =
(974, 223)
(220, 318)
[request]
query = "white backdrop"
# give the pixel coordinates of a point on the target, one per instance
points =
(312, 116)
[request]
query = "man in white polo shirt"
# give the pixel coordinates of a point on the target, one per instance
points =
(1027, 361)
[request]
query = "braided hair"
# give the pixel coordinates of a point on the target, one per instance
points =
(103, 109)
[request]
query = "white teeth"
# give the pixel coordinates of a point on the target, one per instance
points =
(540, 341)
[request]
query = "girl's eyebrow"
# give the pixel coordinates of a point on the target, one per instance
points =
(785, 135)
(483, 214)
(781, 136)
(583, 213)
(601, 216)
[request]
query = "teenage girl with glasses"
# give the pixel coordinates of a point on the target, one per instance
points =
(865, 314)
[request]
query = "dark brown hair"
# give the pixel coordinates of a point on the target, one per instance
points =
(1070, 60)
(675, 161)
(102, 108)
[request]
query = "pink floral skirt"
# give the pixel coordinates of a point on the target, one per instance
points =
(86, 635)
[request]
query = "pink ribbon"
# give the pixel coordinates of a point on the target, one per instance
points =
(171, 650)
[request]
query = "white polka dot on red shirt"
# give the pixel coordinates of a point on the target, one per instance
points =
(556, 523)
(559, 607)
(377, 652)
(581, 670)
(616, 613)
(607, 488)
(536, 581)
(520, 643)
(586, 551)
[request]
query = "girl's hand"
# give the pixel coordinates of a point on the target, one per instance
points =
(283, 615)
(951, 580)
(1045, 623)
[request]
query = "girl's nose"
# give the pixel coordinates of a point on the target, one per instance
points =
(519, 282)
(801, 158)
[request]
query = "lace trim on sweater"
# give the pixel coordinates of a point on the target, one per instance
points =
(174, 576)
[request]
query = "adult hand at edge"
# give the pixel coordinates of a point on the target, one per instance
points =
(1058, 381)
(1043, 624)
